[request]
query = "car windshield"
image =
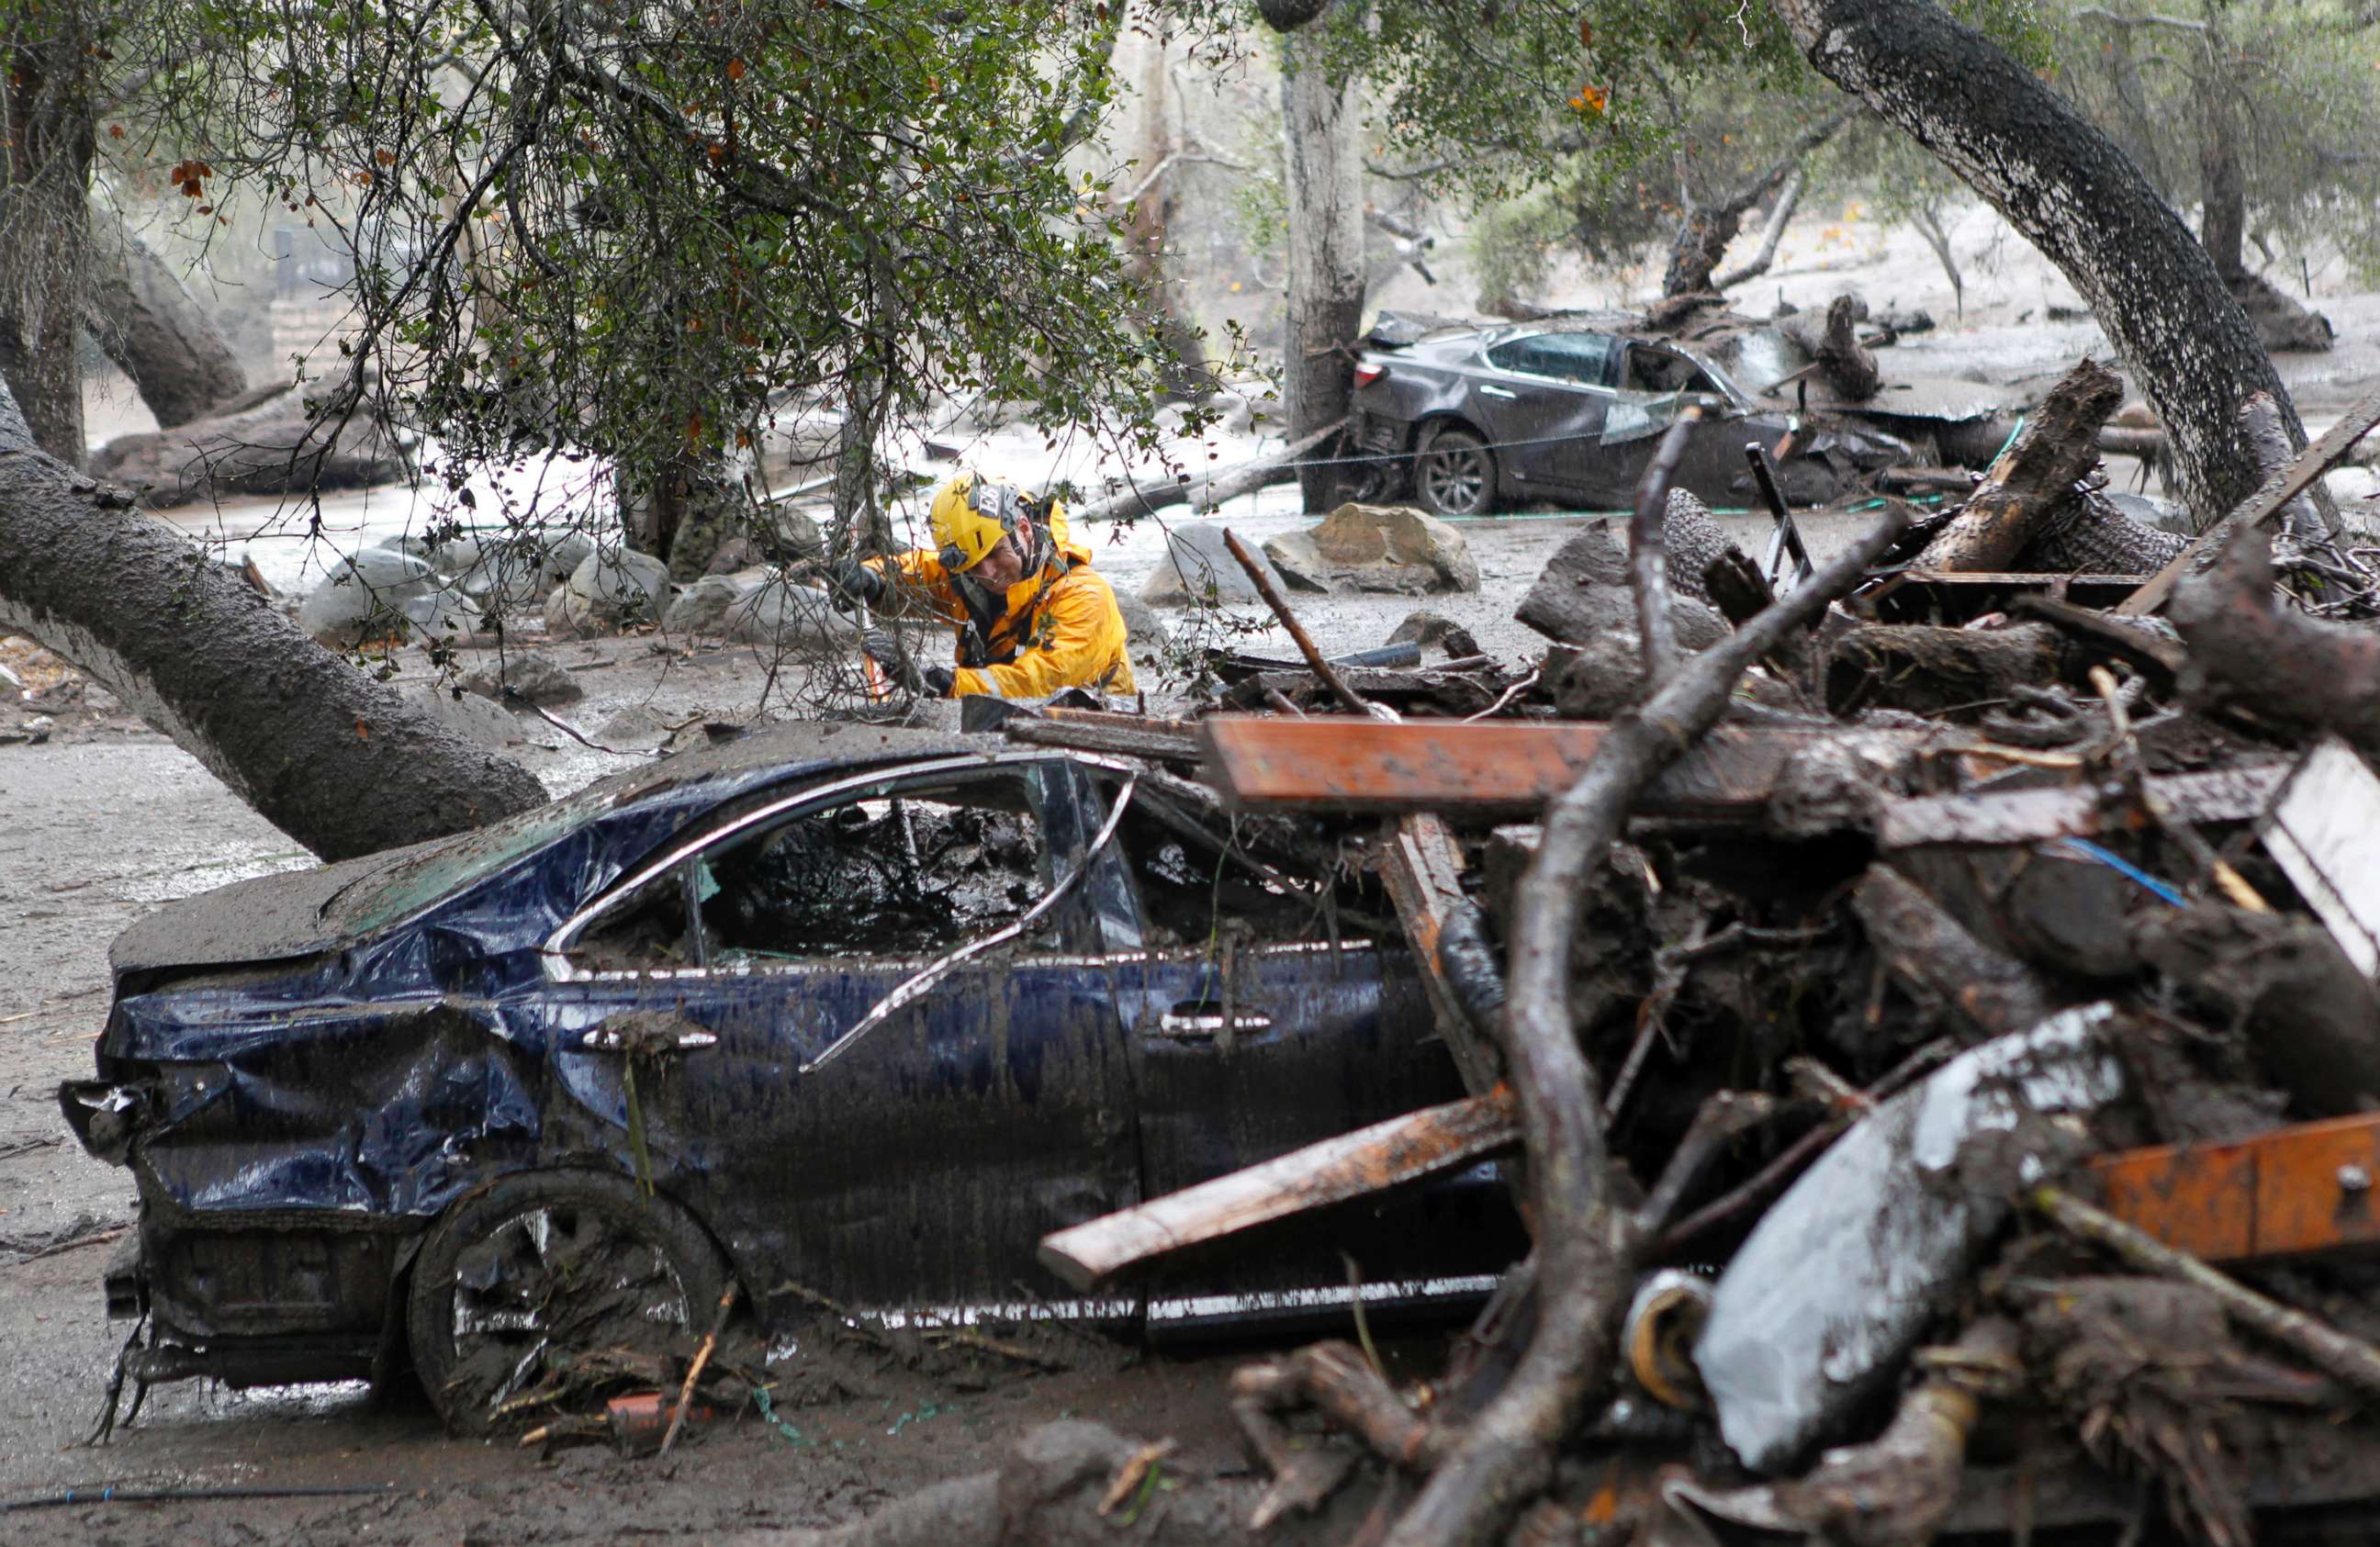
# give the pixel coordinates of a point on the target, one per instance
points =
(436, 870)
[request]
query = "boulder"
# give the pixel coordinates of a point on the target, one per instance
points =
(522, 571)
(1582, 592)
(701, 608)
(609, 591)
(374, 595)
(531, 677)
(781, 615)
(1146, 638)
(1201, 569)
(468, 716)
(456, 556)
(1426, 628)
(1378, 548)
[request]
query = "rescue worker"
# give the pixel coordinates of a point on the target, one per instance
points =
(1030, 615)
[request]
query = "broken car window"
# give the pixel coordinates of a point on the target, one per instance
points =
(652, 933)
(912, 873)
(1193, 889)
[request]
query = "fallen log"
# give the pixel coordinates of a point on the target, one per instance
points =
(2058, 446)
(1174, 741)
(2028, 816)
(1369, 1160)
(1932, 953)
(1933, 671)
(1208, 490)
(1833, 345)
(283, 446)
(2250, 651)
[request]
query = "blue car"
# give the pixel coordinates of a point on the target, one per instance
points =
(827, 1010)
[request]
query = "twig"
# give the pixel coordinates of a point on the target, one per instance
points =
(694, 1371)
(1508, 696)
(1723, 1115)
(967, 1337)
(1315, 661)
(1648, 574)
(2351, 1358)
(96, 1239)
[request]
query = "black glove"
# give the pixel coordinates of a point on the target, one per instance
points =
(855, 583)
(937, 680)
(884, 649)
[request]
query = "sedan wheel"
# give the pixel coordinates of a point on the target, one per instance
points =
(1454, 474)
(543, 1276)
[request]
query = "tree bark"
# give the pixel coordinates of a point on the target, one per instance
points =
(2081, 203)
(1149, 222)
(1710, 225)
(2058, 445)
(1325, 248)
(153, 330)
(339, 762)
(1781, 214)
(45, 151)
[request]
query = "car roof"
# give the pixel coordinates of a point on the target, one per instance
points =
(296, 914)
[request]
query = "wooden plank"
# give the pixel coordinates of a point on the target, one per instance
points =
(2326, 835)
(2261, 506)
(2038, 816)
(1421, 867)
(1092, 730)
(2289, 1193)
(1333, 1172)
(1490, 767)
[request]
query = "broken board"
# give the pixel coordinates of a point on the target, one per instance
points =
(2325, 832)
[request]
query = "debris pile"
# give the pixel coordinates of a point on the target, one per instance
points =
(1925, 997)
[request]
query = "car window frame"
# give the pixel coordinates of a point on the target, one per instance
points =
(1606, 389)
(667, 866)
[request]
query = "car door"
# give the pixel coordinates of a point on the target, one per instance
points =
(919, 1164)
(1554, 390)
(1655, 385)
(1256, 1025)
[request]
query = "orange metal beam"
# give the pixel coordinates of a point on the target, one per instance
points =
(2286, 1193)
(1340, 763)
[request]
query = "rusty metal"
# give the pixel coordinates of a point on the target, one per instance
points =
(2289, 1193)
(1480, 769)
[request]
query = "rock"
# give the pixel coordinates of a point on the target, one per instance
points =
(1426, 628)
(701, 608)
(469, 714)
(1202, 569)
(456, 556)
(374, 595)
(532, 678)
(1146, 638)
(523, 571)
(793, 531)
(781, 615)
(737, 552)
(1583, 594)
(609, 591)
(635, 723)
(1376, 548)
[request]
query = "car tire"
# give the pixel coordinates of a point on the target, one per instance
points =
(1454, 473)
(543, 1264)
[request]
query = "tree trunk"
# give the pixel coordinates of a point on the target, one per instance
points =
(339, 762)
(2070, 192)
(1149, 222)
(46, 151)
(153, 330)
(1781, 214)
(1325, 248)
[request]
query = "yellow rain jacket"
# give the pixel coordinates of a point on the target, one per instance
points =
(1056, 629)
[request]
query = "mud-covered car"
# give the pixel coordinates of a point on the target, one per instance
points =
(842, 1010)
(1474, 418)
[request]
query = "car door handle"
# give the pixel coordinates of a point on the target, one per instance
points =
(1204, 1018)
(1486, 390)
(646, 1034)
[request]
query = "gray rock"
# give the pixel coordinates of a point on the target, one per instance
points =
(1201, 568)
(1376, 548)
(537, 679)
(523, 571)
(635, 723)
(785, 616)
(468, 716)
(456, 556)
(1146, 638)
(374, 595)
(609, 591)
(1426, 628)
(793, 531)
(1583, 593)
(701, 608)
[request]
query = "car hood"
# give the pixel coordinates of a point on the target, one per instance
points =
(267, 918)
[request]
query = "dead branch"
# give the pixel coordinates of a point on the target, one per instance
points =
(1582, 1253)
(1648, 575)
(2349, 1359)
(1260, 576)
(2057, 445)
(1209, 489)
(1933, 953)
(2249, 650)
(1833, 345)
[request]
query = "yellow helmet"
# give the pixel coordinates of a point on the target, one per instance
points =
(970, 516)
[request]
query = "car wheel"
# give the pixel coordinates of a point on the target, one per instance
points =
(1454, 473)
(516, 1283)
